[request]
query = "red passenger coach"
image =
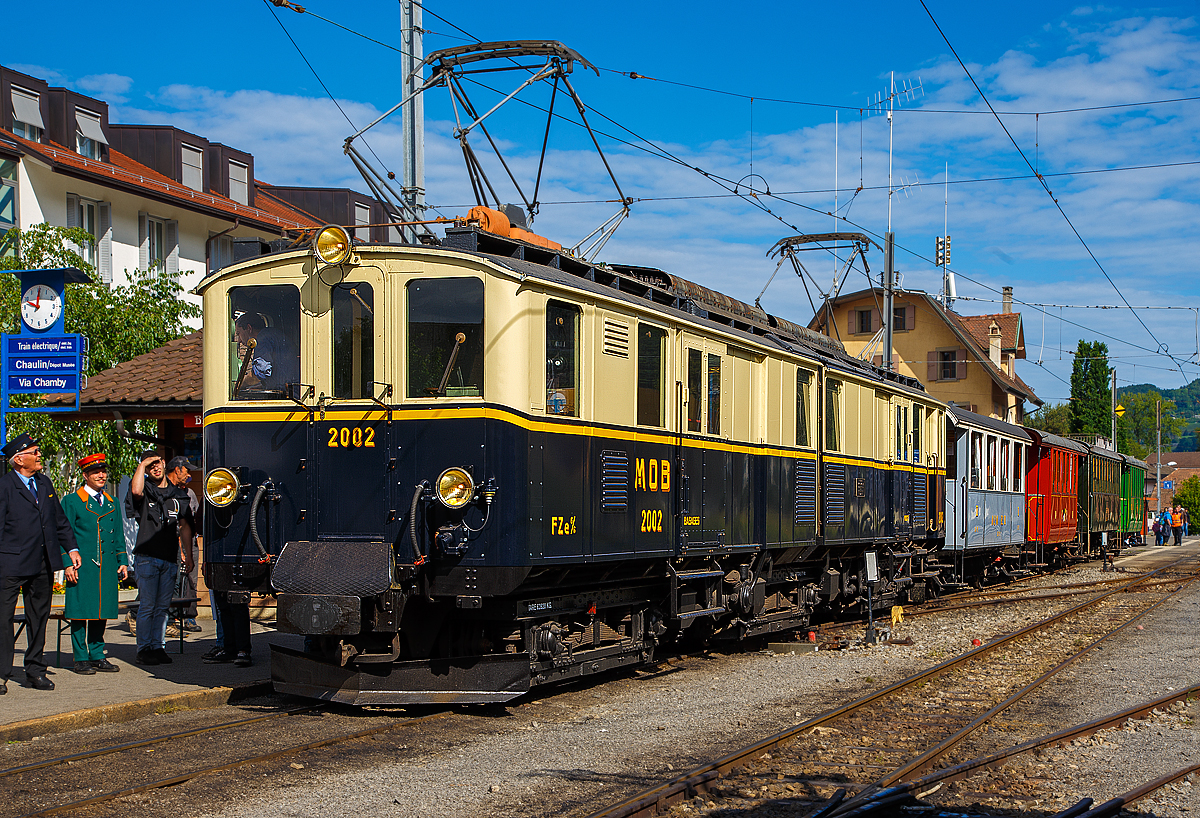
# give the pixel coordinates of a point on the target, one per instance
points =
(1051, 495)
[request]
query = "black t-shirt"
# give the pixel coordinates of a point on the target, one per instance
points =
(158, 512)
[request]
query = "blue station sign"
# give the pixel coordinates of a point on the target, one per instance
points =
(42, 364)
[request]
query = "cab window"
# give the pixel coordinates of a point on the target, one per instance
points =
(353, 340)
(833, 415)
(918, 412)
(804, 380)
(445, 338)
(264, 341)
(714, 394)
(651, 372)
(562, 359)
(695, 379)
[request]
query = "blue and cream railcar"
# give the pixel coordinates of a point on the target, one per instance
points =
(985, 496)
(469, 469)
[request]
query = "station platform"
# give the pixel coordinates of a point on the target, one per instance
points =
(84, 701)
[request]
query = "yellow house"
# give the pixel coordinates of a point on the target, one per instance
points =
(965, 360)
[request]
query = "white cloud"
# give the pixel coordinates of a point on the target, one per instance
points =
(108, 87)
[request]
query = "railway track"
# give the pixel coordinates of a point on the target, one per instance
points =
(894, 735)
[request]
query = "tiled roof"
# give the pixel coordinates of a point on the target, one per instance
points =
(1182, 460)
(123, 171)
(1011, 337)
(168, 377)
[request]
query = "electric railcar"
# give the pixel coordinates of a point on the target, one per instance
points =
(475, 468)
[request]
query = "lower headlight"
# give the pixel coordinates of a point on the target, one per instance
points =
(455, 488)
(221, 487)
(332, 244)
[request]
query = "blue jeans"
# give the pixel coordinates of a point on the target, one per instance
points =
(156, 587)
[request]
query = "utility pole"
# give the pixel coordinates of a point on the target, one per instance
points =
(1113, 409)
(1158, 458)
(413, 115)
(889, 277)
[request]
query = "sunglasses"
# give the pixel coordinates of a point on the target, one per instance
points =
(35, 451)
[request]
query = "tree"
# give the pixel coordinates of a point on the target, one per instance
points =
(1091, 400)
(1055, 419)
(120, 323)
(1140, 420)
(1188, 496)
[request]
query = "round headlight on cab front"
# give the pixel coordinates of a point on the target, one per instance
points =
(221, 487)
(332, 244)
(455, 488)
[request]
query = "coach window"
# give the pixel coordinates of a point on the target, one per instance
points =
(714, 394)
(804, 380)
(918, 412)
(264, 341)
(976, 458)
(695, 388)
(1004, 444)
(353, 340)
(833, 415)
(562, 359)
(651, 352)
(1018, 473)
(445, 338)
(991, 462)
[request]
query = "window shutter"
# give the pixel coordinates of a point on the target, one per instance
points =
(143, 241)
(876, 321)
(931, 371)
(104, 246)
(850, 316)
(172, 241)
(962, 365)
(73, 219)
(877, 360)
(910, 317)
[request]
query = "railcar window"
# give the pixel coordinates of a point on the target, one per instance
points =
(353, 340)
(991, 462)
(1018, 473)
(918, 412)
(1004, 446)
(562, 359)
(695, 396)
(268, 315)
(439, 310)
(833, 415)
(714, 394)
(976, 458)
(651, 352)
(804, 380)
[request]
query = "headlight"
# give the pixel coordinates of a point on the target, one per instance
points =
(332, 244)
(455, 488)
(221, 487)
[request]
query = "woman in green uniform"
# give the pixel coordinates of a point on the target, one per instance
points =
(92, 589)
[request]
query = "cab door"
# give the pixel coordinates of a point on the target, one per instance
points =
(702, 484)
(901, 468)
(354, 464)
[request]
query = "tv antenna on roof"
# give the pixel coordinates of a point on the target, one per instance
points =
(553, 63)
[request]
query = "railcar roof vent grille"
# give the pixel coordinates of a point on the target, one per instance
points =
(614, 481)
(616, 338)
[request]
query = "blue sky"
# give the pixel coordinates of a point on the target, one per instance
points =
(227, 70)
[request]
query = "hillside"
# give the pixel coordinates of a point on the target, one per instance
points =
(1187, 406)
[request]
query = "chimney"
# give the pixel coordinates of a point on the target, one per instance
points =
(994, 343)
(1007, 301)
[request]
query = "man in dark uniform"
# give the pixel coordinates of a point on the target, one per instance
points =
(34, 535)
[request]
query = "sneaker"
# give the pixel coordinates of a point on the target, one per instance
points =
(172, 632)
(243, 659)
(147, 657)
(162, 657)
(219, 657)
(190, 626)
(213, 652)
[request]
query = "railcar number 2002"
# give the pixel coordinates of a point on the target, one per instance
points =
(345, 437)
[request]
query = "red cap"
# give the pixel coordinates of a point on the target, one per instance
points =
(93, 461)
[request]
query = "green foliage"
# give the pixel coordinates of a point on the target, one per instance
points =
(1187, 494)
(120, 323)
(1091, 398)
(1140, 419)
(1185, 407)
(1055, 419)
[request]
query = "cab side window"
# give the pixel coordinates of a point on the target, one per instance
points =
(714, 394)
(833, 415)
(695, 379)
(562, 359)
(264, 341)
(651, 373)
(353, 340)
(804, 380)
(445, 338)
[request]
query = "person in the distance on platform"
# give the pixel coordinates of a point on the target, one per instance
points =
(34, 535)
(92, 596)
(1177, 524)
(158, 500)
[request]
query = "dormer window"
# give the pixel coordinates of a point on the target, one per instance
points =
(27, 115)
(89, 136)
(193, 167)
(239, 182)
